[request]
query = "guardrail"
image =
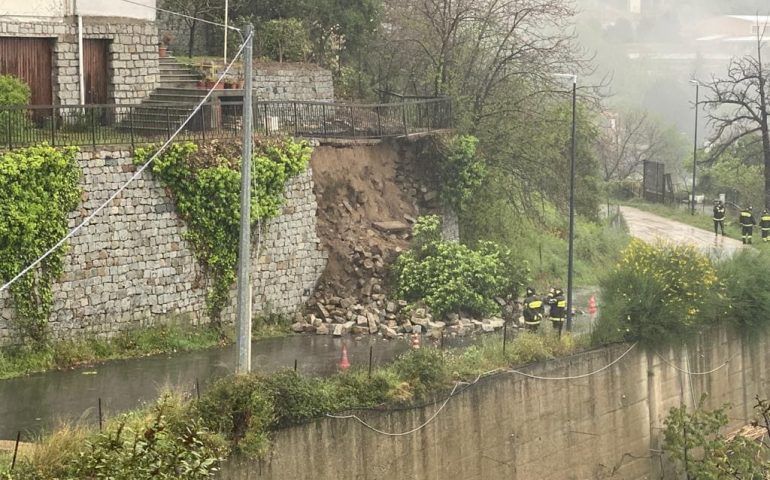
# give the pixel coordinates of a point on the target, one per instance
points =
(94, 125)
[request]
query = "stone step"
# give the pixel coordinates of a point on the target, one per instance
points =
(169, 98)
(183, 74)
(175, 69)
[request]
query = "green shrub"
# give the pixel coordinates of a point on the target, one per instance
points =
(449, 276)
(297, 398)
(13, 92)
(355, 389)
(460, 169)
(424, 370)
(165, 443)
(656, 292)
(39, 187)
(746, 280)
(239, 408)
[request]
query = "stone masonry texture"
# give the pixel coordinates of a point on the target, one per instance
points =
(132, 267)
(133, 54)
(607, 425)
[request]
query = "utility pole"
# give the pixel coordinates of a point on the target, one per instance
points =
(571, 252)
(695, 144)
(244, 245)
(571, 241)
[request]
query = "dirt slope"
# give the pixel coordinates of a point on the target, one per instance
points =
(357, 187)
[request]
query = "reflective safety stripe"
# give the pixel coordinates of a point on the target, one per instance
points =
(535, 304)
(534, 322)
(561, 303)
(557, 319)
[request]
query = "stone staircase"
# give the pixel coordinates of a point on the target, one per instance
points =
(167, 107)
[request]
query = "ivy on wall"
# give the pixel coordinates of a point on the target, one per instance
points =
(205, 183)
(39, 187)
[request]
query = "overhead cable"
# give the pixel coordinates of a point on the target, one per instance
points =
(468, 385)
(189, 17)
(135, 176)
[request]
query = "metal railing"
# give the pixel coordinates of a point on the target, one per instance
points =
(94, 125)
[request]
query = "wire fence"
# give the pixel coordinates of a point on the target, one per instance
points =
(94, 125)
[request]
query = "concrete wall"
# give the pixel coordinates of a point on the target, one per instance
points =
(62, 8)
(133, 54)
(132, 266)
(508, 427)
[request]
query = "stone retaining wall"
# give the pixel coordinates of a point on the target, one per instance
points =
(303, 82)
(133, 54)
(132, 267)
(606, 424)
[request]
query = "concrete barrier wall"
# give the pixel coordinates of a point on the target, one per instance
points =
(606, 425)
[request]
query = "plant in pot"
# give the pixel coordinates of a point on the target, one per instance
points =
(211, 82)
(165, 40)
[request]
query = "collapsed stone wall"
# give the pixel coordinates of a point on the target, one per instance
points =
(603, 425)
(132, 267)
(133, 54)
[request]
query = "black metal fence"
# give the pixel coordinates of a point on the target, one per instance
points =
(83, 125)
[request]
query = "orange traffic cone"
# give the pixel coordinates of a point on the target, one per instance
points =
(344, 362)
(592, 305)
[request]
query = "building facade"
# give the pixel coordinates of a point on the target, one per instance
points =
(72, 52)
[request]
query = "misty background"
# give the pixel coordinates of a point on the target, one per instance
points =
(648, 50)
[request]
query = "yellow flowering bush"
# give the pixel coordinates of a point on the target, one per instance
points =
(655, 292)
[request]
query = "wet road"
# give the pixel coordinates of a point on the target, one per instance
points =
(651, 228)
(37, 402)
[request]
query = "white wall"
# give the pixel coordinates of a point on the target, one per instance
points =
(34, 8)
(88, 8)
(116, 8)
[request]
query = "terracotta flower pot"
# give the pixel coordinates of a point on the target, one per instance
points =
(162, 49)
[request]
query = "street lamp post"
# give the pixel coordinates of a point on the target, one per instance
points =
(695, 145)
(571, 241)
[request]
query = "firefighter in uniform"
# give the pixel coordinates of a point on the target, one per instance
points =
(558, 307)
(719, 217)
(533, 310)
(747, 225)
(764, 224)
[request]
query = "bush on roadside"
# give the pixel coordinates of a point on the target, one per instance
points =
(655, 293)
(450, 276)
(745, 298)
(164, 442)
(239, 409)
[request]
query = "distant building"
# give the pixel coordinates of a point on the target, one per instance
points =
(731, 34)
(117, 62)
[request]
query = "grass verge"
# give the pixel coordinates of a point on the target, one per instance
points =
(16, 361)
(237, 414)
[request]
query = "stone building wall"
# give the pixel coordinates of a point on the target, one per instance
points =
(133, 54)
(132, 267)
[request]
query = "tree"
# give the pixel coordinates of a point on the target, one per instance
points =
(635, 137)
(739, 105)
(696, 443)
(193, 9)
(477, 51)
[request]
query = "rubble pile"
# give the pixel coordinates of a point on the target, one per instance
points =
(367, 205)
